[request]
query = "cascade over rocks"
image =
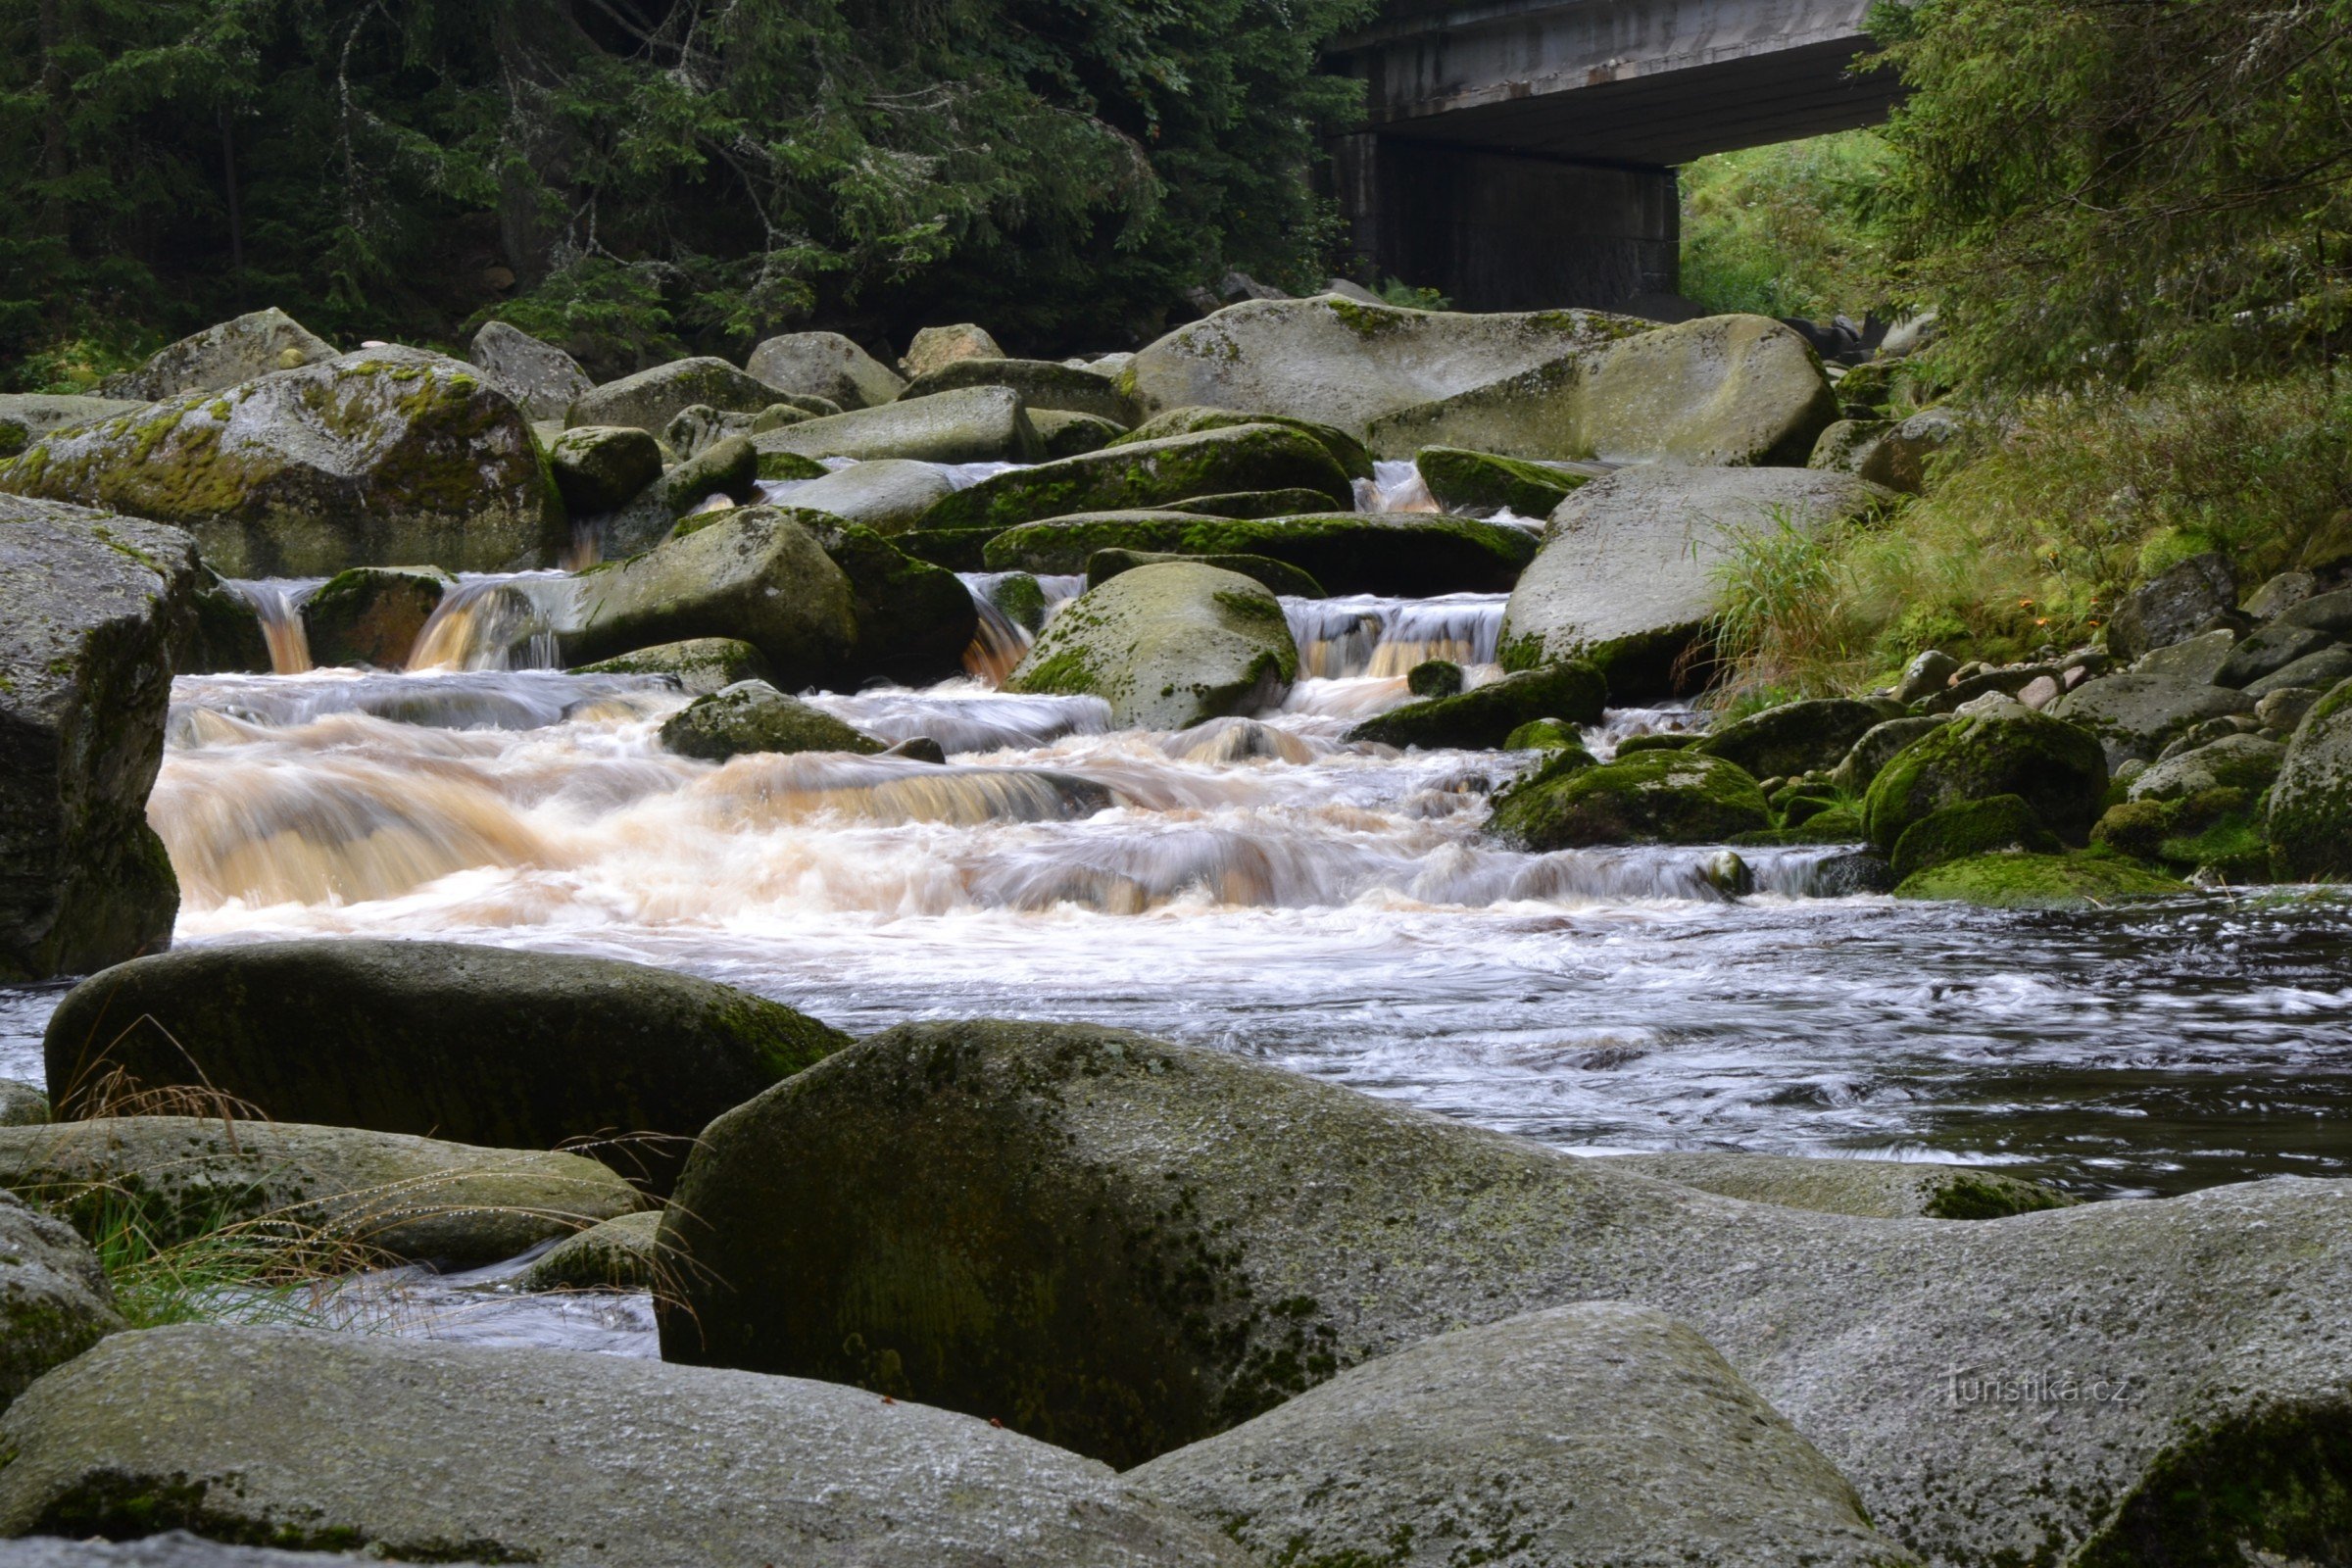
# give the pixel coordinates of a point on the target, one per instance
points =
(1148, 473)
(93, 609)
(373, 458)
(753, 716)
(755, 574)
(223, 355)
(1347, 552)
(978, 425)
(2311, 806)
(1167, 647)
(649, 400)
(312, 1188)
(1486, 717)
(1601, 1435)
(827, 366)
(444, 1452)
(1124, 1247)
(2054, 766)
(1042, 384)
(543, 380)
(1624, 575)
(1348, 363)
(55, 1301)
(487, 1046)
(1734, 391)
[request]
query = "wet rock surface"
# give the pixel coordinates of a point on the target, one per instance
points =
(1167, 645)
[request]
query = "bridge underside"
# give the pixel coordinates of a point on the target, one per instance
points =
(1520, 154)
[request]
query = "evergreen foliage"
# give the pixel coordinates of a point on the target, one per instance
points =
(634, 177)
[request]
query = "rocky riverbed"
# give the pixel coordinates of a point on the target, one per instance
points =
(584, 820)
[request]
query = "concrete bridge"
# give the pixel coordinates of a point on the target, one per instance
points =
(1520, 154)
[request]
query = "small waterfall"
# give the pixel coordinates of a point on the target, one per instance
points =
(998, 642)
(1394, 487)
(1364, 634)
(278, 602)
(504, 620)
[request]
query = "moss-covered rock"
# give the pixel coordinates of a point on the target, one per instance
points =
(1041, 384)
(2055, 766)
(92, 610)
(887, 495)
(2029, 881)
(1545, 735)
(1735, 390)
(343, 1196)
(757, 575)
(378, 458)
(26, 416)
(541, 378)
(1891, 453)
(979, 424)
(1345, 449)
(226, 635)
(1063, 434)
(1150, 473)
(54, 1301)
(2320, 671)
(1481, 484)
(1875, 1189)
(824, 365)
(2235, 761)
(1167, 647)
(1997, 824)
(224, 355)
(1481, 1446)
(420, 1451)
(602, 466)
(913, 619)
(1485, 717)
(1878, 746)
(1797, 737)
(1674, 796)
(371, 614)
(2269, 651)
(1347, 363)
(1248, 504)
(2138, 715)
(618, 1255)
(1131, 1246)
(486, 1045)
(1276, 575)
(752, 716)
(2311, 806)
(1348, 553)
(700, 664)
(1626, 576)
(650, 399)
(1436, 677)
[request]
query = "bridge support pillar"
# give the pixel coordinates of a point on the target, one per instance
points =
(1503, 231)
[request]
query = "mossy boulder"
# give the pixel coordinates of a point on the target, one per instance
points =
(2269, 651)
(343, 1196)
(699, 665)
(979, 424)
(888, 495)
(1167, 647)
(2310, 804)
(602, 466)
(22, 1105)
(1676, 796)
(1348, 553)
(543, 380)
(54, 1301)
(1996, 824)
(1481, 1445)
(1436, 677)
(650, 399)
(1124, 1246)
(1345, 449)
(1041, 384)
(2138, 715)
(225, 636)
(824, 365)
(752, 716)
(1063, 434)
(371, 614)
(913, 619)
(935, 347)
(1256, 503)
(93, 609)
(1485, 717)
(1875, 1189)
(253, 345)
(420, 1451)
(1277, 576)
(756, 576)
(1739, 390)
(1545, 735)
(1796, 738)
(1877, 746)
(487, 1046)
(373, 458)
(2235, 761)
(618, 1255)
(2056, 767)
(1481, 484)
(2218, 832)
(26, 416)
(2031, 881)
(1345, 362)
(1626, 576)
(1148, 473)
